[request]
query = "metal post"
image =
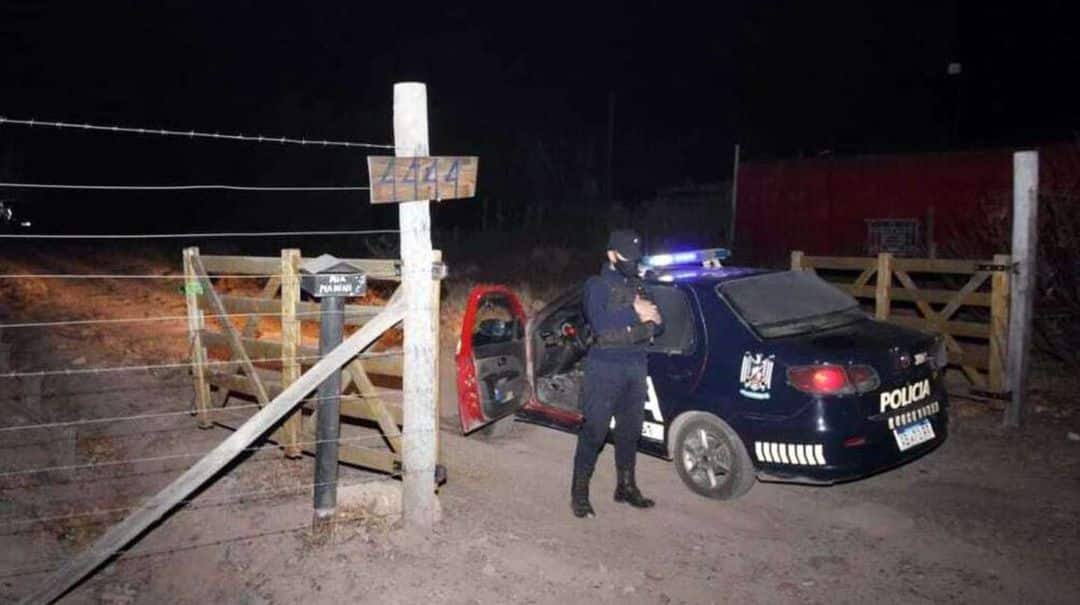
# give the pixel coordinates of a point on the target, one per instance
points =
(331, 328)
(1024, 246)
(419, 412)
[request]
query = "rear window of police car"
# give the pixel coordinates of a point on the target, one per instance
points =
(789, 302)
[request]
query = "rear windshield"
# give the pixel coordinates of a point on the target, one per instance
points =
(789, 302)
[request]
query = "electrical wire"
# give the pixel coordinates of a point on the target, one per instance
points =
(193, 134)
(11, 185)
(125, 276)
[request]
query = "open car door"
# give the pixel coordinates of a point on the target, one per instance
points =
(492, 379)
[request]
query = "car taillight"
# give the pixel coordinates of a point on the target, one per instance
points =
(865, 378)
(833, 380)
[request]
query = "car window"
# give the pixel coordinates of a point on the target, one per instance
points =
(789, 302)
(677, 333)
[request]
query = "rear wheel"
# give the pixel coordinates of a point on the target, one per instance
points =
(711, 459)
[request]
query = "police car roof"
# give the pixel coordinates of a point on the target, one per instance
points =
(669, 275)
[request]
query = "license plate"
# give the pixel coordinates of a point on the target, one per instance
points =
(914, 434)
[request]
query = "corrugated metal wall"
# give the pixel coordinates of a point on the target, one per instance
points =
(821, 206)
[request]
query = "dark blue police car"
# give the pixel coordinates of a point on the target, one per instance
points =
(775, 375)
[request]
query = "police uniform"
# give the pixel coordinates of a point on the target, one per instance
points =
(615, 371)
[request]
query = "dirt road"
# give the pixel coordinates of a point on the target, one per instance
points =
(990, 517)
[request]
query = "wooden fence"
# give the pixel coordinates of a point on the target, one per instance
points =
(973, 318)
(259, 367)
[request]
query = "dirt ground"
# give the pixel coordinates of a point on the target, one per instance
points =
(993, 516)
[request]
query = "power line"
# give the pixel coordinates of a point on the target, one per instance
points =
(194, 134)
(196, 235)
(176, 187)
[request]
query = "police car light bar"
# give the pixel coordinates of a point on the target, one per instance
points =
(691, 257)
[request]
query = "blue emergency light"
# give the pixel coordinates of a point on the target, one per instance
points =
(690, 257)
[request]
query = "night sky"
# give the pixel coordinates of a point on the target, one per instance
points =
(528, 87)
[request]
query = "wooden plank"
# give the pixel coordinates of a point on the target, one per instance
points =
(882, 300)
(999, 325)
(233, 338)
(975, 299)
(388, 363)
(290, 341)
(377, 411)
(413, 178)
(937, 265)
(796, 260)
(206, 468)
(355, 315)
(195, 327)
(967, 329)
(973, 284)
(1025, 239)
(418, 453)
(840, 262)
(378, 269)
(864, 277)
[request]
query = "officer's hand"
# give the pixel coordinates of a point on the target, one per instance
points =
(646, 311)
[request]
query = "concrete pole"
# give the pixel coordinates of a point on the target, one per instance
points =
(1025, 239)
(419, 413)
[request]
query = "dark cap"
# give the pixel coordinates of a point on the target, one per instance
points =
(627, 243)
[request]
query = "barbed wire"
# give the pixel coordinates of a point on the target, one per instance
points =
(162, 414)
(173, 366)
(11, 185)
(197, 235)
(134, 553)
(164, 318)
(127, 276)
(193, 134)
(110, 463)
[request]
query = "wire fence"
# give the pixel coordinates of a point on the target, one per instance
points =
(78, 473)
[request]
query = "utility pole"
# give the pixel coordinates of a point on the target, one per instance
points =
(420, 413)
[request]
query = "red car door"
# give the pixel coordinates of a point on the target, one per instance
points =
(492, 358)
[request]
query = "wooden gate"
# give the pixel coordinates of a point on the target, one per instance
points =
(971, 298)
(252, 346)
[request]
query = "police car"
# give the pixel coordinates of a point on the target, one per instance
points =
(758, 374)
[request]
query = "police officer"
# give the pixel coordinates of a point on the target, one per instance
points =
(623, 322)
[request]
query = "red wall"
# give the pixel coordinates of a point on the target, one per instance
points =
(820, 205)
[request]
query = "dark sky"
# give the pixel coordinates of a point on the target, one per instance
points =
(526, 87)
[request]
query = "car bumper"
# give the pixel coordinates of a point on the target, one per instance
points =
(841, 453)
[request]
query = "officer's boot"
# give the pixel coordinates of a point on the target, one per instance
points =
(579, 495)
(627, 490)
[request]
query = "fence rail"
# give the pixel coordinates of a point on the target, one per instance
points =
(247, 374)
(976, 344)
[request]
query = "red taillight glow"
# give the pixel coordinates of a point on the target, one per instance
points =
(819, 380)
(832, 379)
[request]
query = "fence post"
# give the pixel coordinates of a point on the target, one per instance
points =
(290, 341)
(436, 300)
(1024, 245)
(419, 413)
(192, 286)
(796, 260)
(999, 325)
(882, 296)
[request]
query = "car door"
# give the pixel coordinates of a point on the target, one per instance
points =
(492, 379)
